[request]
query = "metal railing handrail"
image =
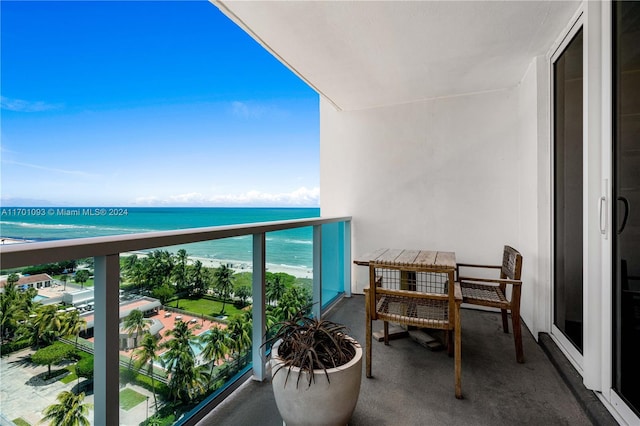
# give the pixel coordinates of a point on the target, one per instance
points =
(19, 255)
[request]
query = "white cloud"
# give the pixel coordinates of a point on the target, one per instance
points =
(251, 109)
(20, 105)
(51, 169)
(301, 197)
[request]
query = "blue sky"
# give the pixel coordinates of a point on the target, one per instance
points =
(149, 103)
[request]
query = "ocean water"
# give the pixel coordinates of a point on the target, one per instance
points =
(292, 248)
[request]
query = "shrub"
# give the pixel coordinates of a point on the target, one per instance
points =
(84, 367)
(10, 347)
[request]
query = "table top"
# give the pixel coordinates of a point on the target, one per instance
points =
(412, 258)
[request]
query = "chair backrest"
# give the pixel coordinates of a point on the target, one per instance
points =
(511, 264)
(420, 282)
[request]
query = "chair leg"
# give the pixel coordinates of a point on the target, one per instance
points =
(505, 321)
(458, 354)
(517, 336)
(368, 340)
(448, 337)
(386, 333)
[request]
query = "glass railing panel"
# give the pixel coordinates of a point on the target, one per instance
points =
(289, 274)
(46, 345)
(178, 293)
(185, 328)
(332, 261)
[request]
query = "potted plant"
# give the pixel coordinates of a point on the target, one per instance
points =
(316, 370)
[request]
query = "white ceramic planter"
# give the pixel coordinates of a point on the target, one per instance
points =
(323, 403)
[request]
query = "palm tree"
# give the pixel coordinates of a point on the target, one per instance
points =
(135, 323)
(292, 301)
(73, 324)
(70, 411)
(137, 273)
(82, 276)
(129, 262)
(185, 379)
(199, 278)
(224, 283)
(216, 346)
(10, 310)
(275, 289)
(64, 278)
(47, 325)
(239, 329)
(146, 354)
(158, 268)
(180, 271)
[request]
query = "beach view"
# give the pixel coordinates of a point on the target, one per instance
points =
(126, 118)
(184, 330)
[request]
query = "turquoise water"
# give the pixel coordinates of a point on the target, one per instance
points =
(290, 248)
(39, 298)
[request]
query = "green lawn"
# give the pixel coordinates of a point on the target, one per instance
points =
(71, 376)
(205, 306)
(130, 398)
(88, 283)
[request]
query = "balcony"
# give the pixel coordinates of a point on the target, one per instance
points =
(413, 385)
(331, 252)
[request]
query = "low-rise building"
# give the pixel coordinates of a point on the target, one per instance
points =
(37, 281)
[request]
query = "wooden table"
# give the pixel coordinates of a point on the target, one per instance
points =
(411, 259)
(440, 260)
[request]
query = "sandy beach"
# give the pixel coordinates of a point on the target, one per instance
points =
(236, 265)
(239, 266)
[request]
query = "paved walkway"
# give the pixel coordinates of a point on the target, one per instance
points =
(21, 396)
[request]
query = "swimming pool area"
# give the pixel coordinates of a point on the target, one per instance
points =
(39, 298)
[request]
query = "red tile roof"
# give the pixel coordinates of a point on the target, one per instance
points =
(29, 279)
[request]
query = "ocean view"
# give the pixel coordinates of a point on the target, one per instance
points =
(291, 248)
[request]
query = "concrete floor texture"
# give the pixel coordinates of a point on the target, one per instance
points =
(413, 385)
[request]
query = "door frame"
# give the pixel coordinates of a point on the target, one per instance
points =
(575, 25)
(622, 410)
(596, 363)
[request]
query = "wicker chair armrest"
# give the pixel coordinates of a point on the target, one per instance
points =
(477, 265)
(491, 280)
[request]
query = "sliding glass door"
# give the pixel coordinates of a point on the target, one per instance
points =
(567, 190)
(626, 191)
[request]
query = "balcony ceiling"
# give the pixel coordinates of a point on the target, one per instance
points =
(369, 54)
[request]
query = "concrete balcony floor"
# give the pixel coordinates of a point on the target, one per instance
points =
(413, 385)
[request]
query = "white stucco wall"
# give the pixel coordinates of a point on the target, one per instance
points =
(440, 174)
(534, 203)
(458, 174)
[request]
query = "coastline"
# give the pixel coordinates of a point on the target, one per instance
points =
(236, 265)
(240, 266)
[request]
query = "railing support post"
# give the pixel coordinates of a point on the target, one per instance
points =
(346, 265)
(105, 362)
(316, 310)
(259, 307)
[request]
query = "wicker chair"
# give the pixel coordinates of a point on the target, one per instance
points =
(420, 297)
(492, 292)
